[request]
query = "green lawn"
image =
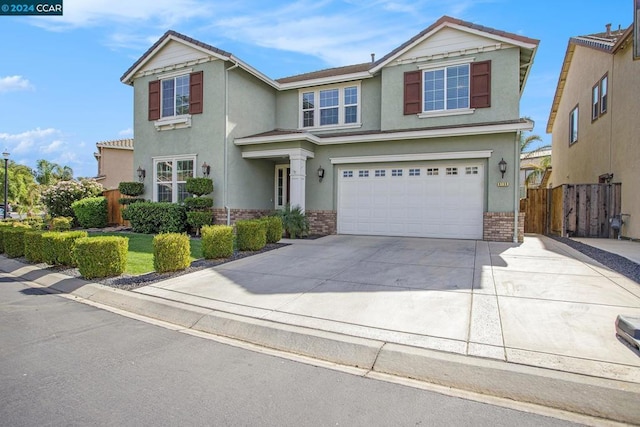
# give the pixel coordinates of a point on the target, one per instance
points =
(140, 258)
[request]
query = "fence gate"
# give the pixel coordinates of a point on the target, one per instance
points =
(114, 216)
(536, 208)
(584, 210)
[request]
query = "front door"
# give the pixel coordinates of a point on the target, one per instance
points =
(282, 181)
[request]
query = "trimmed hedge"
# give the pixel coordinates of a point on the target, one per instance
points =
(34, 246)
(171, 252)
(129, 200)
(197, 219)
(4, 225)
(58, 246)
(131, 188)
(61, 223)
(103, 256)
(217, 241)
(194, 203)
(274, 228)
(14, 241)
(199, 186)
(91, 212)
(251, 234)
(156, 217)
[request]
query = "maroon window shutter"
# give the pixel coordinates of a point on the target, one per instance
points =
(412, 92)
(195, 93)
(154, 100)
(481, 84)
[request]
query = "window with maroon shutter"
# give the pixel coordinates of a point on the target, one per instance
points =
(480, 84)
(195, 93)
(412, 92)
(154, 100)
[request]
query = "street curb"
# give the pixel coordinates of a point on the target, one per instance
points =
(598, 397)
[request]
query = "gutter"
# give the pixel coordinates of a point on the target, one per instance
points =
(516, 187)
(225, 190)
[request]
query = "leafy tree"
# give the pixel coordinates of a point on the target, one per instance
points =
(59, 197)
(526, 141)
(22, 189)
(48, 173)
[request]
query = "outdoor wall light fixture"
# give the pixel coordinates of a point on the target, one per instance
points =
(503, 167)
(320, 173)
(206, 169)
(141, 173)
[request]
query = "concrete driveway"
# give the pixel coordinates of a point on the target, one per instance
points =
(539, 303)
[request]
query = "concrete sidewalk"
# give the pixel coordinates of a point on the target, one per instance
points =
(626, 248)
(531, 322)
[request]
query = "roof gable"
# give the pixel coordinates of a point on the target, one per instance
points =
(172, 53)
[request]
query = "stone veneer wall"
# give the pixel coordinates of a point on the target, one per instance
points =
(498, 226)
(320, 222)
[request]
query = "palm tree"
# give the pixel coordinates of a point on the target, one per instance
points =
(48, 173)
(539, 166)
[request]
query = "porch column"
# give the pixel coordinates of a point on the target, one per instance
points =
(298, 173)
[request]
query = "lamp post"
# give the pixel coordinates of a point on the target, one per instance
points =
(5, 154)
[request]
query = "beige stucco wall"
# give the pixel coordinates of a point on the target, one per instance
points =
(115, 165)
(610, 144)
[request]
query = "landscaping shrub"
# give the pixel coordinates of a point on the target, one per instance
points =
(197, 219)
(171, 252)
(129, 200)
(103, 256)
(131, 188)
(59, 197)
(194, 203)
(61, 223)
(294, 221)
(91, 212)
(273, 225)
(58, 246)
(34, 246)
(35, 222)
(251, 234)
(14, 241)
(154, 217)
(199, 186)
(217, 241)
(4, 225)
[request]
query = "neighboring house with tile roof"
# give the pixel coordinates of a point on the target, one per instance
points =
(594, 118)
(533, 165)
(408, 145)
(115, 162)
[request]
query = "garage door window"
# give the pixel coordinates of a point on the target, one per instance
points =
(432, 171)
(473, 170)
(381, 173)
(363, 174)
(396, 172)
(452, 171)
(347, 174)
(414, 172)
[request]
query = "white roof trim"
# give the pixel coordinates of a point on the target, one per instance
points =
(463, 28)
(286, 152)
(452, 155)
(419, 134)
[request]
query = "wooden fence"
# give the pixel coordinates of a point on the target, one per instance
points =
(114, 216)
(581, 210)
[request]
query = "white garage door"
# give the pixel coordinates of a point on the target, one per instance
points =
(421, 200)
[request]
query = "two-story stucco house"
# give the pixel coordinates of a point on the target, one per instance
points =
(594, 118)
(411, 144)
(115, 162)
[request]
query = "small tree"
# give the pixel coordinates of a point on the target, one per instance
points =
(59, 197)
(199, 207)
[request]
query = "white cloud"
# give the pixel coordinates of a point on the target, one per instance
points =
(163, 13)
(14, 83)
(126, 132)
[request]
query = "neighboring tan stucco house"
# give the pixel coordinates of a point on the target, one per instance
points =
(408, 145)
(115, 162)
(532, 169)
(594, 118)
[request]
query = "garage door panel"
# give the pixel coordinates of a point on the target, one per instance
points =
(426, 200)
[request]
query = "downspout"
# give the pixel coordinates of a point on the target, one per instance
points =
(225, 191)
(516, 187)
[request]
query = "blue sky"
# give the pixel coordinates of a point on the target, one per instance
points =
(60, 89)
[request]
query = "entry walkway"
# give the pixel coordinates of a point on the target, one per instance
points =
(626, 248)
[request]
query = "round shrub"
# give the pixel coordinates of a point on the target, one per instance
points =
(33, 245)
(199, 186)
(251, 235)
(274, 228)
(103, 256)
(91, 212)
(59, 197)
(195, 203)
(131, 188)
(61, 223)
(217, 241)
(171, 252)
(198, 219)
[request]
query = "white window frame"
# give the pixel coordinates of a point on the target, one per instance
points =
(445, 66)
(574, 125)
(604, 94)
(285, 185)
(341, 107)
(174, 173)
(179, 121)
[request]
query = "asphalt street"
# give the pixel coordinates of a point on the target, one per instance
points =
(67, 363)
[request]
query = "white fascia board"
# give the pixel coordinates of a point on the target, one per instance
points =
(129, 77)
(451, 155)
(343, 78)
(284, 152)
(395, 136)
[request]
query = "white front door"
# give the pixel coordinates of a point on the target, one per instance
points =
(282, 181)
(425, 199)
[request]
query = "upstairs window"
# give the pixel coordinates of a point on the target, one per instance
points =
(450, 88)
(573, 126)
(175, 95)
(330, 107)
(599, 98)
